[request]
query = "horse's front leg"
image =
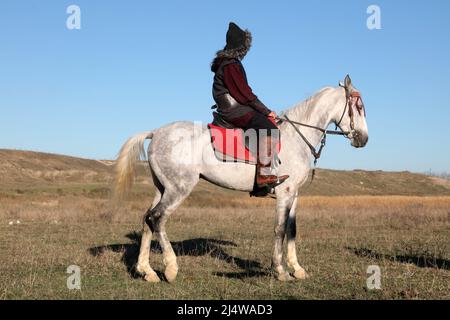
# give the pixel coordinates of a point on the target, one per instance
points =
(292, 260)
(284, 203)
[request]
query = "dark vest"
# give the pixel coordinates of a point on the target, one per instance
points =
(227, 107)
(219, 87)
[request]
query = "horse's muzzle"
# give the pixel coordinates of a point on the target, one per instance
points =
(359, 140)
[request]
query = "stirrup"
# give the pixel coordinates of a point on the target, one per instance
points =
(263, 192)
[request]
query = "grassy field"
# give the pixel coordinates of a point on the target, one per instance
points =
(224, 249)
(55, 211)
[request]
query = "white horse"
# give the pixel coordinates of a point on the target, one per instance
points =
(180, 154)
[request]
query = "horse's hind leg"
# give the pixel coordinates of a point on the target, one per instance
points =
(143, 265)
(171, 199)
(177, 186)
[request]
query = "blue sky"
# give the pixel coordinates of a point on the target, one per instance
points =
(136, 65)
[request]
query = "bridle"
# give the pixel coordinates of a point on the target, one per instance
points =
(349, 103)
(359, 107)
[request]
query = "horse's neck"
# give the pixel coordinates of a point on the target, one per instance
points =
(317, 110)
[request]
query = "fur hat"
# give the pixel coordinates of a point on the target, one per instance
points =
(235, 37)
(238, 44)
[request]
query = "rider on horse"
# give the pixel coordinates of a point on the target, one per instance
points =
(238, 105)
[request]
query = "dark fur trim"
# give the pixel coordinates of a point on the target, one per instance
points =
(238, 53)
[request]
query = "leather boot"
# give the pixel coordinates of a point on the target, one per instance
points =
(263, 179)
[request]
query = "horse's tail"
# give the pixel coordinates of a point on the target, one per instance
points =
(129, 155)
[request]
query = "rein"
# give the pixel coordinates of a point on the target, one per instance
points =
(332, 132)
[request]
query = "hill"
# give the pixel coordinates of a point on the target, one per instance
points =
(28, 169)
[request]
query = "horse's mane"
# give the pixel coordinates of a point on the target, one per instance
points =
(304, 109)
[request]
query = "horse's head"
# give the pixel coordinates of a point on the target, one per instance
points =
(352, 118)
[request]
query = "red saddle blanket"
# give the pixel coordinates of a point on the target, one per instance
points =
(229, 145)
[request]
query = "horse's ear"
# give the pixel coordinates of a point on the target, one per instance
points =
(347, 81)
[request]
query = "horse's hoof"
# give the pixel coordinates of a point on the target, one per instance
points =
(141, 269)
(171, 274)
(152, 277)
(285, 277)
(301, 274)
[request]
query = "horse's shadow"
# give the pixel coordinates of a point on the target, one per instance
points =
(192, 247)
(421, 261)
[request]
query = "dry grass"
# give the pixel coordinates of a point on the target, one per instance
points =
(224, 249)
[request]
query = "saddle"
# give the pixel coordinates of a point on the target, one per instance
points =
(221, 122)
(229, 142)
(230, 145)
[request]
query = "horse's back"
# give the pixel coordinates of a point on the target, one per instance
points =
(178, 127)
(181, 139)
